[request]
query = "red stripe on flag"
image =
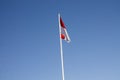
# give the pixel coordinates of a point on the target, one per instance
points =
(62, 23)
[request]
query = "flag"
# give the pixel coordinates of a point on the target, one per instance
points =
(63, 31)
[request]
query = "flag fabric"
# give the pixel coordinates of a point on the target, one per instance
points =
(63, 32)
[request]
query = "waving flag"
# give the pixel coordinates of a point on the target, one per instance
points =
(63, 31)
(63, 35)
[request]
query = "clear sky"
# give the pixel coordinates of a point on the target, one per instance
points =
(29, 39)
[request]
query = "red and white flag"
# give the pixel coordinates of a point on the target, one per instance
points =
(63, 31)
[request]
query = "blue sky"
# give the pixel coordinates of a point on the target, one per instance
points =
(29, 39)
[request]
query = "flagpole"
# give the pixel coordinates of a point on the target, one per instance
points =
(61, 50)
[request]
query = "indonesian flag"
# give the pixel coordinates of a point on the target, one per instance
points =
(63, 32)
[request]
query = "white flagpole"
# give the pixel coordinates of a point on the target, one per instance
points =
(61, 50)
